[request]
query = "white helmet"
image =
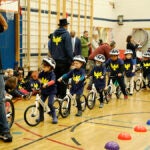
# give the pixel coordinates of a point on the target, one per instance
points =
(114, 52)
(100, 58)
(128, 51)
(50, 61)
(146, 54)
(79, 58)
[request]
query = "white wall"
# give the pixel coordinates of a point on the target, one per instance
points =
(130, 9)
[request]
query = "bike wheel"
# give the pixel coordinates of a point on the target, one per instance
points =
(90, 102)
(31, 115)
(56, 105)
(138, 85)
(65, 108)
(83, 102)
(10, 112)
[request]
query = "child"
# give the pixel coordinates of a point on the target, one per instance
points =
(129, 70)
(34, 83)
(48, 79)
(78, 75)
(139, 54)
(116, 69)
(98, 74)
(11, 88)
(145, 64)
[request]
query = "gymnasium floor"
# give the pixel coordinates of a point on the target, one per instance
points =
(90, 132)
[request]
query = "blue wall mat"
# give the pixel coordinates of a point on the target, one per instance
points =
(7, 45)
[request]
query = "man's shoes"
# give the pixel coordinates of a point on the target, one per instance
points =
(6, 137)
(79, 113)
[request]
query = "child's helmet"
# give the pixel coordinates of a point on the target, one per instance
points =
(79, 58)
(146, 54)
(100, 58)
(50, 61)
(128, 51)
(114, 52)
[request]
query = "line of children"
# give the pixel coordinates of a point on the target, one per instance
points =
(78, 75)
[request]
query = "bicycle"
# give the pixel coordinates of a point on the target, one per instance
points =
(10, 110)
(66, 102)
(92, 96)
(32, 112)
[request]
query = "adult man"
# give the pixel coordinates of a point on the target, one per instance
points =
(85, 44)
(103, 49)
(76, 44)
(4, 129)
(61, 51)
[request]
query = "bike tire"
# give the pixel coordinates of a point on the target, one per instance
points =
(91, 98)
(10, 112)
(138, 85)
(30, 118)
(65, 108)
(83, 102)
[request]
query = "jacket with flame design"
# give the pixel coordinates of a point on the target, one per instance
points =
(60, 46)
(128, 67)
(97, 72)
(146, 67)
(45, 77)
(78, 76)
(115, 66)
(35, 84)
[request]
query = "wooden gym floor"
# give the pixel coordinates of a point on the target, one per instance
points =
(90, 132)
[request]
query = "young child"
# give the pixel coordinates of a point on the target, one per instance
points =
(48, 89)
(139, 54)
(34, 83)
(98, 76)
(116, 66)
(78, 75)
(129, 70)
(145, 64)
(11, 88)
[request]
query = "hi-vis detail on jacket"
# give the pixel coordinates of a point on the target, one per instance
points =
(57, 40)
(146, 65)
(114, 67)
(35, 85)
(97, 74)
(76, 78)
(127, 66)
(44, 81)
